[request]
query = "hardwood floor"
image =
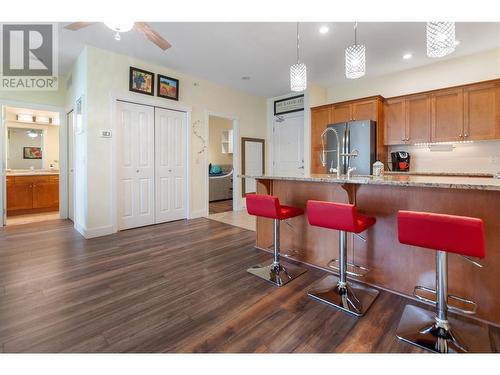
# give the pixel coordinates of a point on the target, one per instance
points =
(175, 287)
(220, 206)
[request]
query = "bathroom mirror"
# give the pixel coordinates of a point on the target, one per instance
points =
(25, 148)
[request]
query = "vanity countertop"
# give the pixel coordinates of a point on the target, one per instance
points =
(32, 173)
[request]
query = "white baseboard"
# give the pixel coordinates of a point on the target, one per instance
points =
(198, 213)
(93, 232)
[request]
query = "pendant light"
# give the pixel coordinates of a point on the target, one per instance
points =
(355, 58)
(298, 71)
(440, 38)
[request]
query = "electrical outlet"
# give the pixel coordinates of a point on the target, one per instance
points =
(494, 159)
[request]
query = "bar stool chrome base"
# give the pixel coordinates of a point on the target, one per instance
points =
(353, 298)
(418, 327)
(278, 275)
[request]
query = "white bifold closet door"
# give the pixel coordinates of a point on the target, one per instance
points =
(136, 165)
(170, 165)
(151, 165)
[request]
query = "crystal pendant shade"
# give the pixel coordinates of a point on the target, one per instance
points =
(440, 38)
(355, 61)
(298, 77)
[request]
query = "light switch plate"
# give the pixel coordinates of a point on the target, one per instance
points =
(106, 134)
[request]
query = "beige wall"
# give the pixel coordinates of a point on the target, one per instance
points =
(107, 73)
(452, 72)
(216, 125)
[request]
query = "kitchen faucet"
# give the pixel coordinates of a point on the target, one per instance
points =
(323, 152)
(336, 170)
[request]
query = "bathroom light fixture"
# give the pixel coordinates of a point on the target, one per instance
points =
(119, 27)
(32, 134)
(298, 71)
(324, 29)
(355, 58)
(440, 38)
(42, 119)
(55, 121)
(24, 118)
(407, 56)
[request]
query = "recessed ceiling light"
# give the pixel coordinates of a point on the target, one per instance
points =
(456, 42)
(407, 56)
(245, 78)
(324, 29)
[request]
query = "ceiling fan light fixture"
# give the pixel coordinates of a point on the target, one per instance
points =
(120, 27)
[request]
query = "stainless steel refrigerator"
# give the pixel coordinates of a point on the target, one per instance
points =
(353, 135)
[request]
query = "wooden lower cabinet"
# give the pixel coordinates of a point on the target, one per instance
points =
(32, 194)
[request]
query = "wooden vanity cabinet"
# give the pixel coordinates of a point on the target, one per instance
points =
(32, 194)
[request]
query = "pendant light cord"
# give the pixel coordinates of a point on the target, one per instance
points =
(355, 33)
(298, 41)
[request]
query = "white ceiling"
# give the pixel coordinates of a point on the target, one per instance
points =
(225, 52)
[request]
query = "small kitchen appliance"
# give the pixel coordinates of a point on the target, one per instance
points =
(400, 161)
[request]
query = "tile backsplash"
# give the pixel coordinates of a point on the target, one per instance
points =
(476, 157)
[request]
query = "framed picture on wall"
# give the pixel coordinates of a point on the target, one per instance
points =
(289, 105)
(141, 81)
(168, 87)
(32, 152)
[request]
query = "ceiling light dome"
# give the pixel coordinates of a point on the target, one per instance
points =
(440, 38)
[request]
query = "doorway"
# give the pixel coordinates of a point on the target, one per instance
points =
(151, 165)
(32, 165)
(288, 145)
(220, 164)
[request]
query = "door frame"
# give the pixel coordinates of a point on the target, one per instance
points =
(288, 116)
(236, 159)
(151, 102)
(63, 154)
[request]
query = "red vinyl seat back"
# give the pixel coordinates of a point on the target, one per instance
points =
(270, 207)
(455, 234)
(338, 216)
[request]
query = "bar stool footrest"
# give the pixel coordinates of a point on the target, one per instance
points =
(472, 304)
(356, 270)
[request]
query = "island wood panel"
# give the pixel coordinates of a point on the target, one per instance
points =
(392, 265)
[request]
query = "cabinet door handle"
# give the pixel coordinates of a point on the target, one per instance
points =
(460, 135)
(466, 135)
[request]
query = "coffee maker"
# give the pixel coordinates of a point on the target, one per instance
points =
(400, 161)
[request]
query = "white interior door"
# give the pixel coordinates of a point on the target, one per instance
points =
(170, 165)
(288, 145)
(253, 164)
(135, 163)
(71, 166)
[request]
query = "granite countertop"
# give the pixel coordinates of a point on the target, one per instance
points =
(456, 182)
(450, 174)
(33, 173)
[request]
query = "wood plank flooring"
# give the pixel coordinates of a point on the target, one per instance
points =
(220, 206)
(175, 287)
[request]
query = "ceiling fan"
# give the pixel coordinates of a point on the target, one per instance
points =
(123, 27)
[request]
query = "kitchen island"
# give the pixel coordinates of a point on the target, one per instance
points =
(393, 266)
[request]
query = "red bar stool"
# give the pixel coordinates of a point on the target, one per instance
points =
(278, 273)
(445, 234)
(353, 298)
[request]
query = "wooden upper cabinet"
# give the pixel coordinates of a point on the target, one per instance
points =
(395, 122)
(448, 115)
(341, 113)
(418, 118)
(482, 111)
(321, 117)
(365, 110)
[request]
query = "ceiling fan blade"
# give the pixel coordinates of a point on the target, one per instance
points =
(152, 35)
(78, 25)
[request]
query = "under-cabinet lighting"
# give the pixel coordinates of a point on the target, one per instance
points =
(440, 143)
